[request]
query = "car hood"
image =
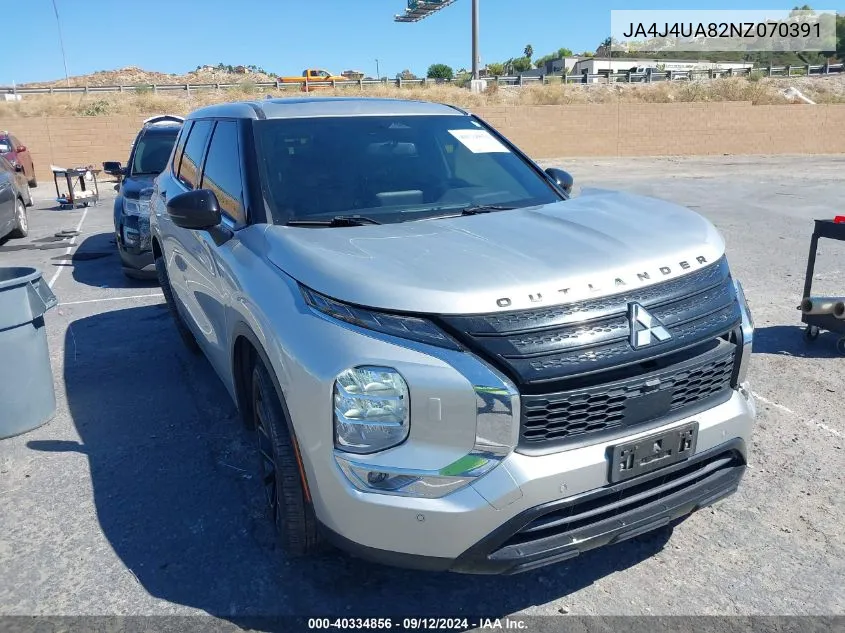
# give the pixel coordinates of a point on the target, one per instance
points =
(132, 185)
(601, 242)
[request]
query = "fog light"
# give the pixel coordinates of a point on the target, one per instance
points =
(130, 236)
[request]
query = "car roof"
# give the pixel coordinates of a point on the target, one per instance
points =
(307, 107)
(171, 129)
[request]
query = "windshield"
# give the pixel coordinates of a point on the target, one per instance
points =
(152, 152)
(390, 168)
(5, 146)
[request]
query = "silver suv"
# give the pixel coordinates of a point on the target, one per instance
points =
(448, 363)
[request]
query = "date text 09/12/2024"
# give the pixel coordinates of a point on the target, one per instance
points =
(418, 624)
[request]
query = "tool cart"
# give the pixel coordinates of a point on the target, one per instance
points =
(81, 188)
(834, 230)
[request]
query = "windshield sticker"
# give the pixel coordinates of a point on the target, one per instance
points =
(479, 141)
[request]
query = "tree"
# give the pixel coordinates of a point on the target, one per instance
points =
(496, 69)
(521, 64)
(559, 54)
(608, 48)
(406, 75)
(529, 52)
(840, 37)
(796, 11)
(440, 71)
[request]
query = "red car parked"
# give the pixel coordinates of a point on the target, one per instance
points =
(16, 153)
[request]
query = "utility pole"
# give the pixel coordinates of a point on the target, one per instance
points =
(475, 39)
(378, 73)
(61, 43)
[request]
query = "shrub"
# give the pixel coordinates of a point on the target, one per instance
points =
(95, 108)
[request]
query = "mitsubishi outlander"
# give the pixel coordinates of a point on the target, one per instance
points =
(449, 363)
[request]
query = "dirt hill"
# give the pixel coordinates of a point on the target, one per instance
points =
(134, 76)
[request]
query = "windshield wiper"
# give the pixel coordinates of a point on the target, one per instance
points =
(338, 220)
(485, 208)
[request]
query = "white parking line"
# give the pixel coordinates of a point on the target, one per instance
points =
(69, 248)
(821, 425)
(157, 295)
(773, 404)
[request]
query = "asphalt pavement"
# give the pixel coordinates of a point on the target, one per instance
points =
(141, 496)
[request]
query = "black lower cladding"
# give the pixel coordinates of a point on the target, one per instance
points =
(561, 530)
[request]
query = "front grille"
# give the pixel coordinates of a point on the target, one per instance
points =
(542, 346)
(560, 417)
(578, 374)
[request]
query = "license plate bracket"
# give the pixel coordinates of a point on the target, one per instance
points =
(652, 452)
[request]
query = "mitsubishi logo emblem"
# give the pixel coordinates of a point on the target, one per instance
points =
(645, 329)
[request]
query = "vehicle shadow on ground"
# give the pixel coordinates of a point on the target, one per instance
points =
(788, 340)
(96, 262)
(177, 495)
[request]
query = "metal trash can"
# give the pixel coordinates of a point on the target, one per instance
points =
(27, 397)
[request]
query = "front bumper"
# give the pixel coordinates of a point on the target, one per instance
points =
(560, 530)
(136, 253)
(536, 510)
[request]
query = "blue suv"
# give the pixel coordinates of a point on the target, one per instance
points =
(147, 159)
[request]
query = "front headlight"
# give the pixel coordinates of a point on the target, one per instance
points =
(130, 207)
(139, 206)
(407, 327)
(371, 409)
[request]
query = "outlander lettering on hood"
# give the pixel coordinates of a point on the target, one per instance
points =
(617, 284)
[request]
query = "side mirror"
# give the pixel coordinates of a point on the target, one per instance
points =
(21, 148)
(113, 168)
(196, 210)
(562, 178)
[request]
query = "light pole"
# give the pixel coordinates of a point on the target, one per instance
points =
(475, 39)
(378, 74)
(61, 43)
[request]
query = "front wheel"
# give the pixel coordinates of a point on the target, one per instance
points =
(281, 473)
(21, 223)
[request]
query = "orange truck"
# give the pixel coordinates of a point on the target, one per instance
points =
(315, 75)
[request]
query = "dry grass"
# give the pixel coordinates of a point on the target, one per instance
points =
(758, 91)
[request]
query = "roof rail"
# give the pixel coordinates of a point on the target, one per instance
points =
(164, 118)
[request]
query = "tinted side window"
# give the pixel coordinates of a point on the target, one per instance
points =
(5, 165)
(189, 168)
(222, 172)
(180, 146)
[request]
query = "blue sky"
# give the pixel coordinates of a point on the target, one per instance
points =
(286, 36)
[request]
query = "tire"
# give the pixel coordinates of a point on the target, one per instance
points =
(184, 333)
(21, 223)
(811, 333)
(33, 182)
(292, 512)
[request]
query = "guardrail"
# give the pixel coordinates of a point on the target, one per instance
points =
(519, 80)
